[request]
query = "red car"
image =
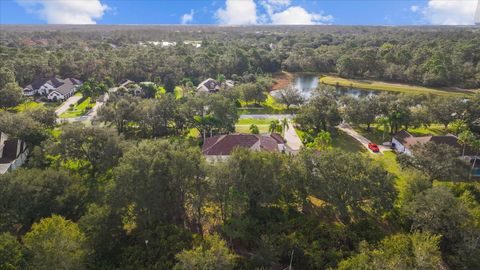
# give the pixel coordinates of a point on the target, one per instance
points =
(373, 147)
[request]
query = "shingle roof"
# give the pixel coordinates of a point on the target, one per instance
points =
(402, 135)
(222, 145)
(55, 82)
(64, 88)
(408, 140)
(37, 84)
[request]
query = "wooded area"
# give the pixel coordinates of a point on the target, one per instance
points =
(131, 189)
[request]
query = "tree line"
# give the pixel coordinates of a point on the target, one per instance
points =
(431, 57)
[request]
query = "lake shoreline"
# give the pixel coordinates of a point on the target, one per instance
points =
(284, 79)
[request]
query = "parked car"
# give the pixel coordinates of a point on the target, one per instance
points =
(373, 147)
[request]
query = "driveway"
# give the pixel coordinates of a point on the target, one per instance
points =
(64, 107)
(293, 141)
(92, 113)
(357, 136)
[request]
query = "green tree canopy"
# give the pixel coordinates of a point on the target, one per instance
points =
(212, 253)
(55, 243)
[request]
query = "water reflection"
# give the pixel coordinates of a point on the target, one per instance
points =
(307, 84)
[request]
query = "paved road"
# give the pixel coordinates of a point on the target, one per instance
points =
(357, 136)
(66, 104)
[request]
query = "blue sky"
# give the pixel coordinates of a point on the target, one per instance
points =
(338, 12)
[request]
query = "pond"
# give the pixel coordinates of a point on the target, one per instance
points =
(306, 84)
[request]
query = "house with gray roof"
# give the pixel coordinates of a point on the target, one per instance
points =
(53, 88)
(210, 85)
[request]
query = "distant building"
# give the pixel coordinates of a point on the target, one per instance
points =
(219, 147)
(13, 153)
(53, 88)
(211, 85)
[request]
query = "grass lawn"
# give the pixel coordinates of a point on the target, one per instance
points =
(388, 161)
(250, 121)
(269, 106)
(392, 87)
(27, 105)
(246, 128)
(78, 110)
(243, 125)
(343, 141)
(340, 141)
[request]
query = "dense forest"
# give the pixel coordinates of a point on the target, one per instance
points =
(430, 56)
(131, 189)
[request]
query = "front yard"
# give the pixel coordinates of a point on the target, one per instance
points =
(78, 109)
(243, 125)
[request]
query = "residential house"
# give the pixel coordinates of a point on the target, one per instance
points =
(13, 153)
(210, 85)
(219, 147)
(403, 142)
(53, 88)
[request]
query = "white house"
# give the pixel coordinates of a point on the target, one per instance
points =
(13, 153)
(211, 85)
(53, 88)
(404, 142)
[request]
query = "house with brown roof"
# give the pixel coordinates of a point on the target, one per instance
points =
(219, 147)
(403, 142)
(13, 153)
(54, 88)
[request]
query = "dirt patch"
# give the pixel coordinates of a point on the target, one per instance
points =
(282, 80)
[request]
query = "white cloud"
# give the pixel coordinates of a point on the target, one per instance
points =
(66, 11)
(298, 15)
(450, 12)
(188, 17)
(414, 8)
(237, 12)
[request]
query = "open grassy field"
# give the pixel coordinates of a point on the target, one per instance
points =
(77, 110)
(392, 87)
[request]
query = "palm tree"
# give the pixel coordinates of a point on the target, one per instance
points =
(274, 124)
(458, 125)
(466, 138)
(254, 129)
(386, 124)
(476, 147)
(285, 126)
